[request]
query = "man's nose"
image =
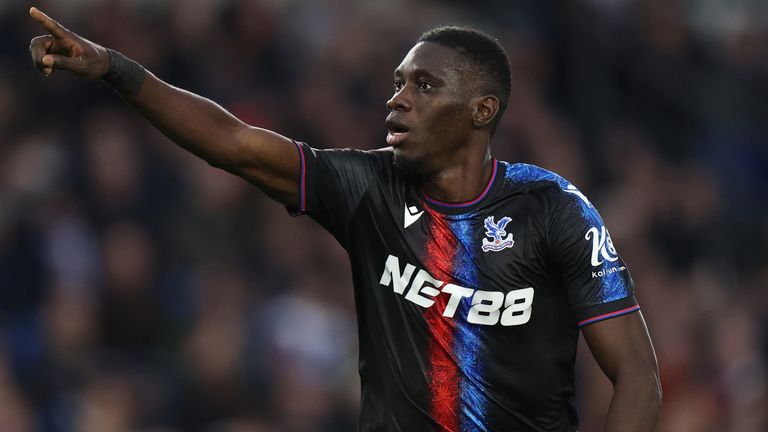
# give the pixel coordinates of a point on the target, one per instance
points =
(400, 101)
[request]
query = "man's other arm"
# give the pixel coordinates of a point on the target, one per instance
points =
(197, 124)
(623, 349)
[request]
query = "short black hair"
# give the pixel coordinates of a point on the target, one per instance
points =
(485, 56)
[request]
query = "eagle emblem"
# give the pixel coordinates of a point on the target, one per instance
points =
(499, 239)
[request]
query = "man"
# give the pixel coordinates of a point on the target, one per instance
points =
(472, 276)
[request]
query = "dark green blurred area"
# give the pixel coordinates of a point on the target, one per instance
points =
(141, 289)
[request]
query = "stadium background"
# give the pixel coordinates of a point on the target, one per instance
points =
(143, 290)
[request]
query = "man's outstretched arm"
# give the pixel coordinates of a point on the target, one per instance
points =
(197, 124)
(623, 349)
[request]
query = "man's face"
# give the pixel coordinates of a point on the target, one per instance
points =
(430, 117)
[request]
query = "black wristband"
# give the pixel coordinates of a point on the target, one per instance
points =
(124, 75)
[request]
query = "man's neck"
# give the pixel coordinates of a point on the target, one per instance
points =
(460, 182)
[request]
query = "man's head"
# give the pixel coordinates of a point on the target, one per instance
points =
(484, 58)
(450, 91)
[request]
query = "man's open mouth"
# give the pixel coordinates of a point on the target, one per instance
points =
(396, 132)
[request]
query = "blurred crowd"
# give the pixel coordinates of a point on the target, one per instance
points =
(142, 290)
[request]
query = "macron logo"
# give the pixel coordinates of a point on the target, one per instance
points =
(412, 214)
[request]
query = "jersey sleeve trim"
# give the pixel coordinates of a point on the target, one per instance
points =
(606, 311)
(609, 315)
(302, 208)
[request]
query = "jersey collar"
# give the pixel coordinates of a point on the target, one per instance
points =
(465, 206)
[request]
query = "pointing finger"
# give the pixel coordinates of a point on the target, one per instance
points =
(53, 27)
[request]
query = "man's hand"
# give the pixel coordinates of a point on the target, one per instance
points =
(65, 50)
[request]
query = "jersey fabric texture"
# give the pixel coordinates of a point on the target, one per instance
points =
(468, 313)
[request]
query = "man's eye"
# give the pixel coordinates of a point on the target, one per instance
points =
(398, 85)
(425, 85)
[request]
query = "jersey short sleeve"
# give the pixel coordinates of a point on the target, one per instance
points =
(333, 182)
(597, 281)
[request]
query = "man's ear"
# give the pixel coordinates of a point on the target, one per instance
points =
(484, 110)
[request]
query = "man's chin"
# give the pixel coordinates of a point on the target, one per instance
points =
(405, 164)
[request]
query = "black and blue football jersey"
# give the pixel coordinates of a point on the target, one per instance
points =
(468, 313)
